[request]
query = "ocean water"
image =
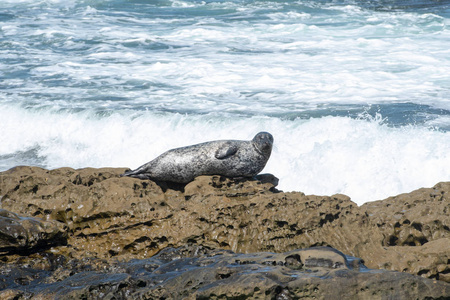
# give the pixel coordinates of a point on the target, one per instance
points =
(356, 93)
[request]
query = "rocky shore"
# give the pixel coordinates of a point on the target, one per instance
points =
(90, 234)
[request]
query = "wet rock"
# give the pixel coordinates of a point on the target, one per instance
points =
(113, 218)
(26, 234)
(196, 272)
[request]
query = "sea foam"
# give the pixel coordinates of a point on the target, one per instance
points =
(362, 158)
(355, 93)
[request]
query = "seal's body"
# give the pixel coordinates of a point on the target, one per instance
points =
(230, 158)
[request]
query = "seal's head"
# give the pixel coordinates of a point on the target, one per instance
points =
(263, 142)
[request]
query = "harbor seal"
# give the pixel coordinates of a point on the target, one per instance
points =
(230, 158)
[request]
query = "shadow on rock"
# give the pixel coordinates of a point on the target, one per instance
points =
(109, 218)
(26, 234)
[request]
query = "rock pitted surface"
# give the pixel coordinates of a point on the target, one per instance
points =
(108, 218)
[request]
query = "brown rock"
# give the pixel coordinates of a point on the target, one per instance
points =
(412, 231)
(122, 218)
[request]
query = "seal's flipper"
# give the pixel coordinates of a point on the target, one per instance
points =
(129, 173)
(226, 151)
(138, 173)
(135, 174)
(230, 158)
(126, 173)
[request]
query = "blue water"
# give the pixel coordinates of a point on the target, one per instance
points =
(356, 93)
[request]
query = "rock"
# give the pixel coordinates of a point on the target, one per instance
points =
(197, 272)
(26, 234)
(111, 218)
(413, 231)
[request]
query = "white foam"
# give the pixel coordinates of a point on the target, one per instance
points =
(363, 159)
(296, 57)
(177, 3)
(254, 59)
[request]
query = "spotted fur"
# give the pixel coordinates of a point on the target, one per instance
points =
(230, 158)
